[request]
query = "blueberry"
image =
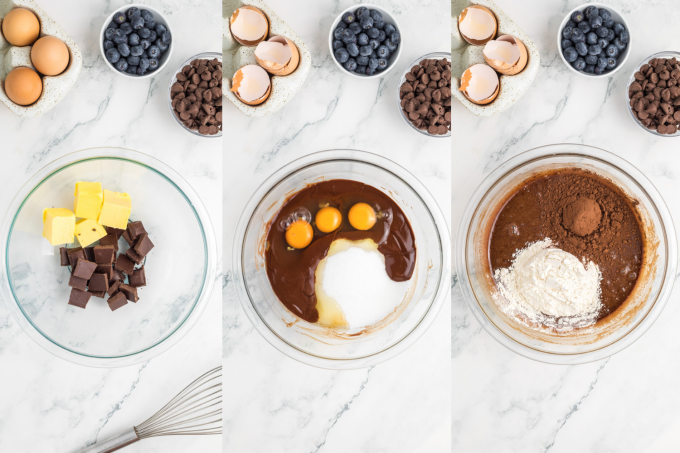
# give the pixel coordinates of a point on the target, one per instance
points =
(341, 55)
(584, 27)
(144, 43)
(161, 45)
(373, 63)
(373, 54)
(382, 64)
(595, 21)
(119, 36)
(136, 51)
(612, 51)
(590, 69)
(361, 12)
(591, 59)
(581, 48)
(618, 28)
(337, 34)
(611, 63)
(348, 39)
(121, 65)
(605, 15)
(351, 65)
(134, 39)
(577, 36)
(126, 27)
(374, 43)
(113, 55)
(365, 51)
(608, 23)
(571, 24)
(348, 17)
(361, 69)
(602, 63)
(141, 71)
(390, 45)
(144, 33)
(579, 64)
(594, 50)
(144, 55)
(366, 22)
(133, 12)
(152, 36)
(566, 33)
(113, 25)
(376, 15)
(370, 70)
(352, 49)
(577, 17)
(154, 51)
(382, 36)
(566, 43)
(144, 63)
(383, 52)
(599, 70)
(160, 29)
(119, 18)
(137, 22)
(109, 45)
(373, 33)
(124, 49)
(602, 32)
(146, 15)
(379, 25)
(338, 44)
(624, 37)
(591, 38)
(362, 39)
(166, 38)
(395, 37)
(131, 69)
(133, 61)
(362, 60)
(153, 64)
(355, 27)
(389, 29)
(621, 46)
(570, 54)
(108, 34)
(150, 24)
(591, 11)
(602, 43)
(342, 25)
(611, 36)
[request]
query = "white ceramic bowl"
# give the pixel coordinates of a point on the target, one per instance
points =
(160, 19)
(617, 17)
(389, 19)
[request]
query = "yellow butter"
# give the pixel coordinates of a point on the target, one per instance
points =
(115, 210)
(88, 200)
(89, 231)
(58, 225)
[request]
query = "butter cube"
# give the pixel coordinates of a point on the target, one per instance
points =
(115, 210)
(58, 225)
(89, 198)
(89, 231)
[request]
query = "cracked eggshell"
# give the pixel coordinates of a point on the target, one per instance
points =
(489, 22)
(249, 38)
(274, 67)
(518, 54)
(251, 74)
(477, 84)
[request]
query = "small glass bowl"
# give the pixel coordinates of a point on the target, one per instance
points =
(630, 321)
(429, 56)
(313, 344)
(181, 269)
(631, 79)
(173, 79)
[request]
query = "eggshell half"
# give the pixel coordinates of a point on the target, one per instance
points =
(463, 29)
(278, 68)
(505, 67)
(251, 71)
(249, 40)
(490, 77)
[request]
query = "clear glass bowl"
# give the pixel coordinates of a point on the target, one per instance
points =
(631, 79)
(634, 317)
(310, 343)
(173, 79)
(433, 55)
(180, 269)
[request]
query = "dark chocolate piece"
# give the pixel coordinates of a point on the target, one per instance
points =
(110, 239)
(74, 255)
(98, 282)
(84, 269)
(77, 282)
(115, 231)
(143, 245)
(130, 292)
(135, 229)
(113, 288)
(89, 253)
(116, 276)
(125, 265)
(105, 269)
(79, 298)
(99, 294)
(63, 251)
(128, 239)
(116, 301)
(138, 277)
(134, 256)
(104, 254)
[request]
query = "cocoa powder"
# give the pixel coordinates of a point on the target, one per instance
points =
(548, 206)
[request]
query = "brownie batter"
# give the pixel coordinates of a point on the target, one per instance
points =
(583, 214)
(291, 271)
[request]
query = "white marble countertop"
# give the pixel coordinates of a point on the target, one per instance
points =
(50, 405)
(626, 403)
(274, 403)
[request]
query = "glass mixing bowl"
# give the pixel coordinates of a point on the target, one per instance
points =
(180, 270)
(630, 321)
(310, 343)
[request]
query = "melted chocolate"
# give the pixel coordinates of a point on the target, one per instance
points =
(291, 272)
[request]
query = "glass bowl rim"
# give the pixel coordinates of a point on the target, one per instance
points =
(209, 243)
(594, 154)
(418, 189)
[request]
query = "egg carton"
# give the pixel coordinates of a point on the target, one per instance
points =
(236, 56)
(464, 55)
(54, 87)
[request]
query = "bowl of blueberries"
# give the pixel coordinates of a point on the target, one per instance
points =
(365, 41)
(594, 40)
(136, 41)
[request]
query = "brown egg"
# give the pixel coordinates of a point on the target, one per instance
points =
(49, 55)
(23, 86)
(21, 27)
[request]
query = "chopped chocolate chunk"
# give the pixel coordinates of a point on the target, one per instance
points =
(134, 256)
(116, 301)
(84, 268)
(115, 231)
(110, 239)
(125, 265)
(116, 276)
(130, 292)
(138, 277)
(143, 245)
(98, 282)
(104, 254)
(74, 255)
(99, 294)
(89, 253)
(77, 282)
(79, 298)
(135, 229)
(105, 269)
(63, 251)
(113, 288)
(128, 239)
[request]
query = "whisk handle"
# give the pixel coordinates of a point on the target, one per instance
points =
(114, 443)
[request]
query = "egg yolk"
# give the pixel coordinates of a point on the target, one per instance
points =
(299, 234)
(362, 216)
(328, 219)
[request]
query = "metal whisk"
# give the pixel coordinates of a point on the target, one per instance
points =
(196, 410)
